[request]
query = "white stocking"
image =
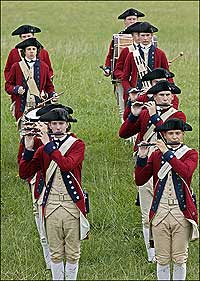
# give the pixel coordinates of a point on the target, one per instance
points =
(150, 251)
(57, 270)
(179, 272)
(163, 272)
(71, 271)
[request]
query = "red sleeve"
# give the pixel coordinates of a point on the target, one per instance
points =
(12, 58)
(129, 128)
(11, 80)
(175, 102)
(126, 112)
(144, 172)
(127, 69)
(44, 56)
(118, 71)
(109, 55)
(49, 87)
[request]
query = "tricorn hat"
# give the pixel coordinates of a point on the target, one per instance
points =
(163, 85)
(173, 124)
(131, 28)
(49, 107)
(57, 114)
(146, 27)
(130, 12)
(29, 42)
(157, 73)
(23, 29)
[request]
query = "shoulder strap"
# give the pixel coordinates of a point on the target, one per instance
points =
(29, 79)
(150, 132)
(167, 167)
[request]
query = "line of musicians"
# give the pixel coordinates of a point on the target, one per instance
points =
(50, 156)
(164, 165)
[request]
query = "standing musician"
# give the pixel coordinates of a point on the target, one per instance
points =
(63, 203)
(144, 59)
(143, 121)
(29, 81)
(173, 213)
(118, 70)
(25, 32)
(154, 76)
(36, 183)
(129, 16)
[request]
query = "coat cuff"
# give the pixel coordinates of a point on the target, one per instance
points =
(132, 117)
(50, 147)
(168, 155)
(15, 90)
(141, 162)
(155, 118)
(28, 154)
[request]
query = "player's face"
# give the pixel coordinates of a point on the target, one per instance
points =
(145, 38)
(174, 136)
(31, 52)
(130, 20)
(164, 97)
(58, 127)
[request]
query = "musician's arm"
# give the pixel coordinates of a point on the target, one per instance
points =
(130, 127)
(143, 170)
(127, 70)
(118, 71)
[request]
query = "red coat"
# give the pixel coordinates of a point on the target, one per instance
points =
(70, 162)
(16, 79)
(130, 73)
(138, 124)
(183, 167)
(118, 71)
(15, 57)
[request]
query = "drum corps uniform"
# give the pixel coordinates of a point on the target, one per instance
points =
(15, 54)
(62, 200)
(153, 57)
(143, 125)
(173, 213)
(38, 71)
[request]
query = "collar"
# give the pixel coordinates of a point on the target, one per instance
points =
(175, 148)
(30, 61)
(145, 47)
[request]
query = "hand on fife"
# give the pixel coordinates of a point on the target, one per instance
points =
(136, 108)
(21, 90)
(29, 142)
(151, 106)
(162, 146)
(55, 98)
(143, 150)
(43, 132)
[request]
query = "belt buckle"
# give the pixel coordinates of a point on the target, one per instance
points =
(61, 197)
(171, 201)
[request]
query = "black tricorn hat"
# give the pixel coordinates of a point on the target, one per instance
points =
(173, 124)
(164, 85)
(146, 27)
(130, 12)
(29, 42)
(57, 114)
(157, 73)
(23, 29)
(131, 28)
(49, 107)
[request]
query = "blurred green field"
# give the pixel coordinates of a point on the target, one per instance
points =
(77, 35)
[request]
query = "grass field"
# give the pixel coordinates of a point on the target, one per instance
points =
(77, 36)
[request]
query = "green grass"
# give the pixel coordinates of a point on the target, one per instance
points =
(77, 36)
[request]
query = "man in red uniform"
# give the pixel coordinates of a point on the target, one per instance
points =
(25, 32)
(149, 55)
(60, 161)
(142, 122)
(29, 81)
(173, 214)
(129, 16)
(118, 70)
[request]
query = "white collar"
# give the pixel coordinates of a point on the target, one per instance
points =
(145, 46)
(30, 61)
